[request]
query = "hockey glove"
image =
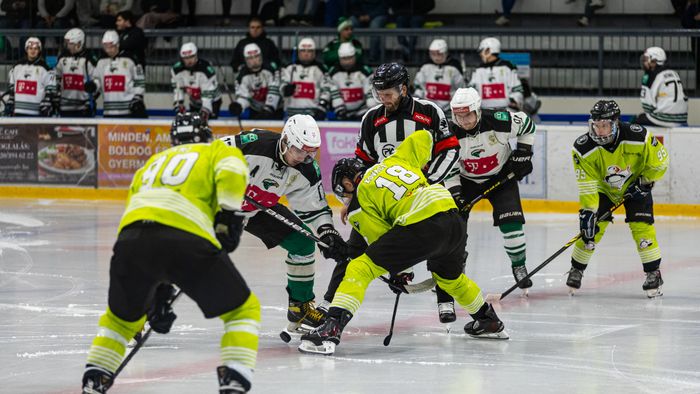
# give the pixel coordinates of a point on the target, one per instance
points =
(318, 114)
(288, 90)
(9, 109)
(520, 162)
(136, 106)
(179, 108)
(337, 247)
(341, 113)
(587, 224)
(90, 87)
(235, 108)
(45, 108)
(204, 114)
(397, 283)
(638, 190)
(161, 315)
(228, 226)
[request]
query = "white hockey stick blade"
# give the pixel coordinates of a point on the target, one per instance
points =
(420, 287)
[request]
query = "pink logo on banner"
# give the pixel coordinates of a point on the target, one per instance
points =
(338, 142)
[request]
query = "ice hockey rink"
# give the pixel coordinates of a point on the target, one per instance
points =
(609, 338)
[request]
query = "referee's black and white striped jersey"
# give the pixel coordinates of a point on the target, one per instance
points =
(381, 133)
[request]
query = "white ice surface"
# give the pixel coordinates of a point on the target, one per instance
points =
(609, 338)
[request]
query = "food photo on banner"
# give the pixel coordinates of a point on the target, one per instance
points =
(66, 154)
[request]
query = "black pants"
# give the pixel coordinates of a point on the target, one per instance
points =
(147, 254)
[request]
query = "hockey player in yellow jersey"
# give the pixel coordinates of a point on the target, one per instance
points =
(617, 160)
(405, 221)
(179, 225)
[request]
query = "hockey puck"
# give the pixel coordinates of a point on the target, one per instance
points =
(285, 336)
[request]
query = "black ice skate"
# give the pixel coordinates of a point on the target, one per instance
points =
(303, 317)
(652, 285)
(446, 312)
(519, 273)
(574, 280)
(487, 327)
(324, 339)
(96, 380)
(231, 382)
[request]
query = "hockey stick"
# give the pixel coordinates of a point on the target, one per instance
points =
(387, 339)
(488, 191)
(498, 297)
(140, 342)
(228, 93)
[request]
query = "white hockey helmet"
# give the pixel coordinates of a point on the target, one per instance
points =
(656, 54)
(188, 49)
(251, 50)
(32, 41)
(75, 36)
(490, 43)
(110, 37)
(438, 45)
(307, 43)
(466, 100)
(300, 131)
(346, 49)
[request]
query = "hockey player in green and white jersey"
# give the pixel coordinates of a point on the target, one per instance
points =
(405, 221)
(617, 160)
(182, 218)
(663, 99)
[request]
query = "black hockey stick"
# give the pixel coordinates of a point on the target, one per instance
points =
(228, 93)
(387, 339)
(140, 342)
(488, 191)
(604, 216)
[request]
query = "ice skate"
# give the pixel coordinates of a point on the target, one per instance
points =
(653, 284)
(303, 317)
(325, 338)
(574, 280)
(490, 327)
(519, 273)
(96, 380)
(446, 312)
(231, 382)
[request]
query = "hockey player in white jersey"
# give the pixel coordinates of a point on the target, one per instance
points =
(351, 93)
(304, 86)
(121, 80)
(253, 86)
(496, 80)
(195, 78)
(485, 157)
(74, 69)
(438, 79)
(32, 84)
(283, 165)
(663, 99)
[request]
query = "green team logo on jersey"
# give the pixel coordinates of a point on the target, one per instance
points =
(645, 79)
(317, 168)
(246, 138)
(268, 183)
(503, 116)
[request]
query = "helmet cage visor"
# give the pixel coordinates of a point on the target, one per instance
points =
(602, 131)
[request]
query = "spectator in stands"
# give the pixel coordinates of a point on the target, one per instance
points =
(496, 79)
(305, 18)
(253, 87)
(120, 79)
(334, 10)
(690, 19)
(191, 10)
(410, 14)
(304, 85)
(226, 4)
(591, 7)
(86, 11)
(504, 19)
(438, 79)
(256, 35)
(330, 52)
(157, 14)
(109, 10)
(195, 78)
(58, 14)
(351, 93)
(372, 14)
(663, 99)
(131, 37)
(19, 14)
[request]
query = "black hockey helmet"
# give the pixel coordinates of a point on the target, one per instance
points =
(189, 128)
(605, 110)
(389, 75)
(345, 168)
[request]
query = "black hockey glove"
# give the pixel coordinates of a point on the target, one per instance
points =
(397, 283)
(9, 109)
(638, 190)
(45, 108)
(337, 247)
(587, 223)
(90, 87)
(319, 114)
(235, 108)
(288, 90)
(228, 226)
(161, 315)
(456, 192)
(137, 107)
(520, 162)
(341, 113)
